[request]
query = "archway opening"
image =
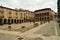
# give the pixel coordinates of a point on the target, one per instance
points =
(5, 21)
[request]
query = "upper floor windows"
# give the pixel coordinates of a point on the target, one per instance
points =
(42, 14)
(9, 12)
(16, 13)
(1, 12)
(21, 13)
(2, 16)
(47, 13)
(47, 17)
(24, 14)
(9, 17)
(16, 17)
(21, 17)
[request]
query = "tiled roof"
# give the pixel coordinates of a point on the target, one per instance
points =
(43, 9)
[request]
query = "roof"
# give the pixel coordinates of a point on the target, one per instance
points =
(42, 9)
(7, 8)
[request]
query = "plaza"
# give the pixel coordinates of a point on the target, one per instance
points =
(46, 31)
(23, 24)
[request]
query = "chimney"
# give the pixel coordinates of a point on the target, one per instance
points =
(1, 4)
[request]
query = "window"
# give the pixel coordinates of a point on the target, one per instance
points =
(47, 17)
(42, 14)
(9, 17)
(16, 17)
(3, 16)
(24, 18)
(42, 19)
(9, 12)
(47, 13)
(21, 13)
(2, 12)
(24, 14)
(16, 13)
(37, 15)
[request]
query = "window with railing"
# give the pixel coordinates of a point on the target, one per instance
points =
(47, 17)
(47, 13)
(40, 14)
(44, 14)
(24, 14)
(21, 17)
(16, 13)
(1, 12)
(16, 17)
(2, 16)
(10, 17)
(42, 19)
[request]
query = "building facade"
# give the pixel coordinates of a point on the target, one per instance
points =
(10, 16)
(45, 14)
(58, 6)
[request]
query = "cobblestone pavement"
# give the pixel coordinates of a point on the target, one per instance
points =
(34, 29)
(12, 34)
(47, 32)
(33, 34)
(48, 29)
(17, 26)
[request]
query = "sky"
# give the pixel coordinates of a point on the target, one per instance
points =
(30, 4)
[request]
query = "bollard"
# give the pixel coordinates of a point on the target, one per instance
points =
(9, 28)
(23, 27)
(35, 24)
(20, 38)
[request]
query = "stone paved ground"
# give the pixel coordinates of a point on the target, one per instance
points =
(48, 29)
(51, 28)
(10, 35)
(7, 37)
(17, 27)
(42, 32)
(48, 32)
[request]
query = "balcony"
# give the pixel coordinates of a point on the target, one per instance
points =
(9, 16)
(16, 17)
(1, 16)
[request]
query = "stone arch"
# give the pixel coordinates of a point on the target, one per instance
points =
(5, 21)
